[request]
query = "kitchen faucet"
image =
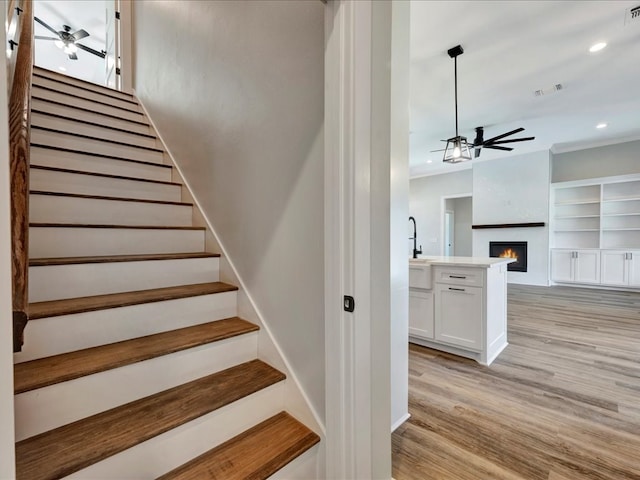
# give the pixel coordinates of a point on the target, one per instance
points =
(414, 238)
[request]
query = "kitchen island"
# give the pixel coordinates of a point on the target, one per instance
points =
(459, 305)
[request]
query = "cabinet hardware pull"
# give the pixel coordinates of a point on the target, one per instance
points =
(457, 276)
(457, 289)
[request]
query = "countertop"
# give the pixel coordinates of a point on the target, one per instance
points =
(485, 262)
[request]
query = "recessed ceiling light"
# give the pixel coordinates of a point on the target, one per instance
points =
(596, 47)
(429, 161)
(601, 125)
(62, 69)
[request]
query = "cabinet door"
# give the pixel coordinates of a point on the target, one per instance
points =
(459, 315)
(586, 267)
(562, 265)
(633, 267)
(421, 314)
(614, 268)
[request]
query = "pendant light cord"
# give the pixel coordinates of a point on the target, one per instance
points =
(455, 77)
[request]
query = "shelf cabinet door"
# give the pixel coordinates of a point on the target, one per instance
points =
(421, 314)
(586, 267)
(614, 268)
(562, 265)
(459, 316)
(633, 264)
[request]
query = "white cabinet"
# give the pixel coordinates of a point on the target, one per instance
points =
(459, 315)
(421, 313)
(575, 266)
(620, 268)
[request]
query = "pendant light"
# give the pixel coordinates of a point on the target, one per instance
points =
(457, 149)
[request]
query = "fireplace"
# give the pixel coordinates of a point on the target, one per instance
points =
(517, 250)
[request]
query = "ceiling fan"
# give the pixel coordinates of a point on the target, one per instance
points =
(457, 149)
(67, 41)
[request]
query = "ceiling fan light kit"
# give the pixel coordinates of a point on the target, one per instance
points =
(457, 149)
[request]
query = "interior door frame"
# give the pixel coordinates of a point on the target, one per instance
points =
(358, 146)
(443, 210)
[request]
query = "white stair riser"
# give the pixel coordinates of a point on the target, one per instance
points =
(49, 407)
(74, 81)
(88, 104)
(47, 157)
(93, 211)
(55, 282)
(67, 125)
(45, 242)
(68, 182)
(165, 452)
(56, 139)
(50, 336)
(84, 93)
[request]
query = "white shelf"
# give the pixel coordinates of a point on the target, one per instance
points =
(600, 213)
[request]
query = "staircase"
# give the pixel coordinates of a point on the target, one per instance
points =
(135, 364)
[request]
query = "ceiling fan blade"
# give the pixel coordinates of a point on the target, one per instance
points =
(80, 34)
(73, 56)
(496, 147)
(440, 150)
(40, 37)
(91, 50)
(46, 26)
(500, 142)
(498, 137)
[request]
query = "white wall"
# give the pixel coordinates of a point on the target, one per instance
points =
(607, 161)
(236, 90)
(514, 190)
(7, 439)
(425, 204)
(462, 207)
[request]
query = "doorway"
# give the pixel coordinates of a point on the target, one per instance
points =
(457, 239)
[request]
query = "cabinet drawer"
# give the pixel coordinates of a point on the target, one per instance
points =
(420, 276)
(472, 277)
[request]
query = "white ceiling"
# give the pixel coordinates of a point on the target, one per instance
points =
(511, 49)
(90, 15)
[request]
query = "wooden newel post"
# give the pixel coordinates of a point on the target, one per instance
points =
(19, 125)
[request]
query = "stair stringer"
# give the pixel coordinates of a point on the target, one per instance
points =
(296, 402)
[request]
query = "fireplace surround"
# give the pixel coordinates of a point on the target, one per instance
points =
(517, 250)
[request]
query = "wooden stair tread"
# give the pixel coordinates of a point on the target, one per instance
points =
(67, 449)
(134, 227)
(107, 175)
(38, 78)
(40, 71)
(93, 124)
(97, 139)
(76, 107)
(67, 366)
(53, 308)
(42, 262)
(92, 154)
(69, 94)
(255, 454)
(104, 197)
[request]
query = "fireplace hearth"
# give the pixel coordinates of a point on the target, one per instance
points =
(517, 250)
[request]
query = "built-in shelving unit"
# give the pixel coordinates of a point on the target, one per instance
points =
(603, 214)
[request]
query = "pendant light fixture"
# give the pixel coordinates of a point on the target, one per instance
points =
(457, 149)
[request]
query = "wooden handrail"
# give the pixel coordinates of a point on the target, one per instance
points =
(19, 124)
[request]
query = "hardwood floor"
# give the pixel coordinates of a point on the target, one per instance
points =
(562, 402)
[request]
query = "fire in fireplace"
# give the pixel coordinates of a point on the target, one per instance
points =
(517, 250)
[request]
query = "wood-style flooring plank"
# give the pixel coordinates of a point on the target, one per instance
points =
(67, 366)
(67, 449)
(255, 454)
(562, 402)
